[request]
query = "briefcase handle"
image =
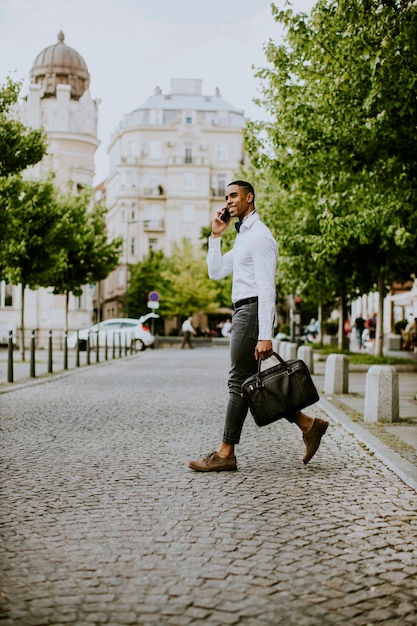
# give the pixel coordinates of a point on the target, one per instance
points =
(280, 359)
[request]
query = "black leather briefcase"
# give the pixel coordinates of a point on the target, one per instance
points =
(279, 391)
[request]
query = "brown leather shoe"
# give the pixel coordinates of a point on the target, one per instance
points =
(214, 463)
(313, 437)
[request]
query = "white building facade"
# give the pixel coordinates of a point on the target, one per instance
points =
(170, 162)
(59, 100)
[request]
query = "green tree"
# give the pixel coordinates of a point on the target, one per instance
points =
(144, 278)
(188, 288)
(20, 148)
(31, 249)
(86, 255)
(339, 154)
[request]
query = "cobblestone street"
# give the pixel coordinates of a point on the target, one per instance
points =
(103, 522)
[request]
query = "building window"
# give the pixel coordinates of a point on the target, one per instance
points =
(156, 117)
(134, 179)
(221, 185)
(189, 181)
(6, 294)
(132, 245)
(222, 152)
(188, 153)
(153, 184)
(153, 243)
(133, 149)
(188, 213)
(188, 117)
(154, 149)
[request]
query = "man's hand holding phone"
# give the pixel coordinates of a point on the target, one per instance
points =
(220, 222)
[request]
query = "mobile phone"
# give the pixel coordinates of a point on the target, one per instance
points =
(225, 216)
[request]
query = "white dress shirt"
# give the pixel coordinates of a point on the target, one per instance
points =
(252, 261)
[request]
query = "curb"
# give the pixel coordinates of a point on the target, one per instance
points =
(400, 466)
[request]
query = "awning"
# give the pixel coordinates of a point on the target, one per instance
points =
(407, 297)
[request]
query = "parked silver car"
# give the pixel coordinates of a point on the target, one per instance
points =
(125, 330)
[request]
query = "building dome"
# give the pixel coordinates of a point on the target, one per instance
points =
(60, 65)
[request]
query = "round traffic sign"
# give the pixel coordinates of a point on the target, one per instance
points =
(153, 296)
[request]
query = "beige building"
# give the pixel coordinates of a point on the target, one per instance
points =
(170, 161)
(59, 100)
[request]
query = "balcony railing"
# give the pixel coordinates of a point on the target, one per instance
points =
(154, 225)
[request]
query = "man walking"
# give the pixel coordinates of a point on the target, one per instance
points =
(187, 332)
(252, 262)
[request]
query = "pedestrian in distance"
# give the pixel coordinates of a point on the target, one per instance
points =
(188, 331)
(252, 263)
(360, 325)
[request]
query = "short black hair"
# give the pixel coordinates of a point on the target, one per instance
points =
(243, 183)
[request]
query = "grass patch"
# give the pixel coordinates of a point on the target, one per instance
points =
(362, 358)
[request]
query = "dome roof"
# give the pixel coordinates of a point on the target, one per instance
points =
(60, 65)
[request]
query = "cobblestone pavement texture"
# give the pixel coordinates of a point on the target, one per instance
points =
(103, 522)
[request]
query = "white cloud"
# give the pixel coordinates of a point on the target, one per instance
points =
(132, 46)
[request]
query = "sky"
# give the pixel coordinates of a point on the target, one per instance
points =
(133, 46)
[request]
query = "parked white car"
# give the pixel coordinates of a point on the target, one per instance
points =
(121, 329)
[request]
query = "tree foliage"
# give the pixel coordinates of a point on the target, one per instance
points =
(144, 278)
(188, 288)
(337, 159)
(181, 280)
(20, 146)
(86, 255)
(30, 249)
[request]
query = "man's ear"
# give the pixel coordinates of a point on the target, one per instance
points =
(249, 197)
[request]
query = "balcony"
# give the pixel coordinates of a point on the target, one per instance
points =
(153, 192)
(154, 226)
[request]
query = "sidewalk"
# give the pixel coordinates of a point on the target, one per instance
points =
(395, 444)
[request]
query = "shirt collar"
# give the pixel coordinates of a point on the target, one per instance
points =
(246, 220)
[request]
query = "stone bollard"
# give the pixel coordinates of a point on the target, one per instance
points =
(288, 350)
(336, 378)
(305, 353)
(381, 394)
(276, 345)
(282, 349)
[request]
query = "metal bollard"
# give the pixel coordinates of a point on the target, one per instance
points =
(97, 347)
(77, 351)
(88, 348)
(120, 345)
(66, 350)
(10, 358)
(114, 346)
(106, 347)
(50, 365)
(32, 355)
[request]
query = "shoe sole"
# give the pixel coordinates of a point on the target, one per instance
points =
(212, 469)
(306, 459)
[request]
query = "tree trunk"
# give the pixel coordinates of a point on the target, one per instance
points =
(320, 322)
(379, 331)
(343, 341)
(22, 325)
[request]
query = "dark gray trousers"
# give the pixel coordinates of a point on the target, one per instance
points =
(243, 340)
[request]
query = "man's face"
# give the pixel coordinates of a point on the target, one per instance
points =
(238, 199)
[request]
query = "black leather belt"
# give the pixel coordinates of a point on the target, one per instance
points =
(239, 303)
